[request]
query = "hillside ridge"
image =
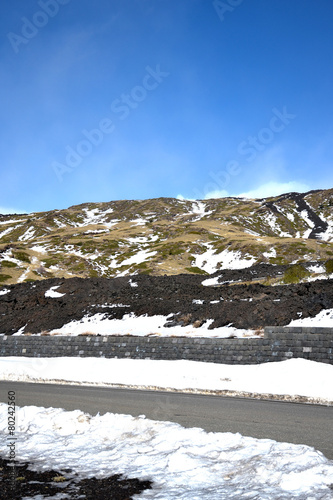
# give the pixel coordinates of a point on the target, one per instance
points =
(168, 236)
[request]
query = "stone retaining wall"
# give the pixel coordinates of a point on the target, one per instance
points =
(278, 344)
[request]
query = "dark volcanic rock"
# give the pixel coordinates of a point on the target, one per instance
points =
(183, 297)
(19, 480)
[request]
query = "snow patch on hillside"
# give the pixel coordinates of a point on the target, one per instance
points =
(28, 235)
(210, 261)
(328, 234)
(270, 253)
(143, 239)
(138, 258)
(272, 221)
(6, 231)
(93, 217)
(5, 222)
(23, 276)
(305, 216)
(59, 223)
(317, 269)
(211, 281)
(199, 209)
(53, 294)
(70, 249)
(139, 221)
(39, 249)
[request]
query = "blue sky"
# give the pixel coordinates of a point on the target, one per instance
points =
(135, 99)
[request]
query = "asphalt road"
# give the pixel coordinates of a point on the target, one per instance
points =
(286, 422)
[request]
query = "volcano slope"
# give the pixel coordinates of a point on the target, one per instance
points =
(166, 236)
(186, 299)
(231, 261)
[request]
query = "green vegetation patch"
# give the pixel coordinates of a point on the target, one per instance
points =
(276, 260)
(329, 266)
(4, 277)
(214, 237)
(219, 248)
(295, 274)
(24, 257)
(142, 265)
(52, 261)
(195, 270)
(145, 271)
(87, 246)
(93, 273)
(171, 249)
(8, 263)
(299, 248)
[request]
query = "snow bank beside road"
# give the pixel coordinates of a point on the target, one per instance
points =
(183, 463)
(294, 377)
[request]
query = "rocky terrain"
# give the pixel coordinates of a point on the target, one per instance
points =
(245, 263)
(185, 299)
(20, 480)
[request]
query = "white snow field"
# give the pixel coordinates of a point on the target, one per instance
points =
(143, 326)
(52, 292)
(322, 319)
(184, 464)
(210, 261)
(153, 325)
(294, 378)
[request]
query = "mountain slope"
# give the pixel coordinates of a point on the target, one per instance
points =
(167, 236)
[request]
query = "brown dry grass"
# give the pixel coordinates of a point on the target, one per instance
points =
(259, 331)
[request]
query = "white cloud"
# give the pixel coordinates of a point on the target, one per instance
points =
(181, 197)
(272, 188)
(275, 188)
(217, 193)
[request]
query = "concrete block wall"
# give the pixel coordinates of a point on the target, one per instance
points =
(278, 344)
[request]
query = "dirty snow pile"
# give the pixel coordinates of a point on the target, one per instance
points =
(130, 324)
(183, 463)
(293, 377)
(142, 326)
(53, 293)
(323, 319)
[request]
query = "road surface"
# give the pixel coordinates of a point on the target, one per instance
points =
(281, 421)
